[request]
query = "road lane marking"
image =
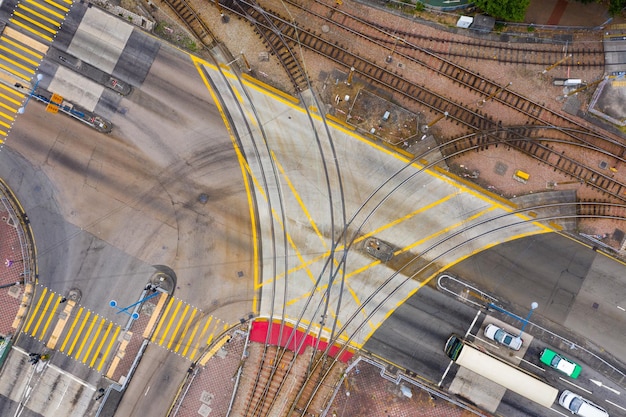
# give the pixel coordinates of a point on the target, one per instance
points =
(36, 310)
(180, 322)
(43, 313)
(170, 322)
(167, 309)
(69, 334)
(94, 339)
(616, 405)
(99, 349)
(574, 385)
(108, 349)
(80, 330)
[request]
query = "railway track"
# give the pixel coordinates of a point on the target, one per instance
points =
(194, 22)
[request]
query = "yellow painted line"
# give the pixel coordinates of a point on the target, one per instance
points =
(296, 195)
(9, 117)
(57, 5)
(6, 106)
(58, 328)
(31, 30)
(3, 134)
(19, 74)
(170, 322)
(39, 15)
(167, 309)
(11, 90)
(85, 337)
(242, 163)
(155, 315)
(46, 9)
(20, 56)
(108, 350)
(191, 338)
(26, 40)
(34, 22)
(93, 340)
(67, 1)
(50, 316)
(185, 329)
(10, 99)
(99, 348)
(69, 334)
(180, 322)
(43, 313)
(218, 345)
(8, 126)
(78, 333)
(30, 321)
(204, 329)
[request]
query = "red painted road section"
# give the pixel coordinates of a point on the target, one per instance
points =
(291, 340)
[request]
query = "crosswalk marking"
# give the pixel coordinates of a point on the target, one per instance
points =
(67, 339)
(39, 15)
(180, 322)
(57, 5)
(33, 47)
(108, 349)
(46, 9)
(45, 290)
(184, 333)
(84, 339)
(93, 339)
(80, 330)
(50, 316)
(50, 297)
(167, 309)
(102, 340)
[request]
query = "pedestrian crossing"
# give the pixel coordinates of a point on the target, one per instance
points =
(23, 44)
(185, 329)
(74, 330)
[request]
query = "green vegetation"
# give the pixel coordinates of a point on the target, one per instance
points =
(178, 38)
(511, 10)
(615, 6)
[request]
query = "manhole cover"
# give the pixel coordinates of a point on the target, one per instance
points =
(501, 168)
(325, 28)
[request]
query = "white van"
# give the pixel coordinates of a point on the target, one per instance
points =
(580, 406)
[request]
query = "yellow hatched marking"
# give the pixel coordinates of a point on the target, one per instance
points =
(6, 106)
(22, 48)
(189, 342)
(80, 330)
(39, 15)
(46, 9)
(104, 339)
(93, 339)
(106, 352)
(61, 322)
(30, 321)
(155, 315)
(86, 336)
(169, 324)
(3, 134)
(54, 310)
(14, 72)
(22, 66)
(12, 91)
(204, 329)
(34, 22)
(8, 98)
(28, 28)
(180, 322)
(26, 40)
(67, 338)
(57, 5)
(67, 1)
(20, 56)
(8, 126)
(220, 344)
(185, 329)
(167, 309)
(43, 313)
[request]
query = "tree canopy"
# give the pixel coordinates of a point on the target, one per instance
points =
(511, 10)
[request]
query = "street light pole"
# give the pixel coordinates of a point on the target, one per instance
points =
(23, 108)
(533, 306)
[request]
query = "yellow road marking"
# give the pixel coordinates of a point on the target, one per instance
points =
(104, 339)
(30, 321)
(39, 15)
(69, 334)
(26, 40)
(167, 309)
(218, 345)
(34, 22)
(11, 99)
(80, 330)
(108, 350)
(20, 56)
(43, 313)
(67, 1)
(16, 93)
(93, 339)
(58, 328)
(6, 106)
(170, 322)
(14, 72)
(191, 338)
(50, 316)
(184, 333)
(155, 315)
(28, 28)
(204, 329)
(8, 126)
(85, 337)
(57, 5)
(180, 322)
(46, 9)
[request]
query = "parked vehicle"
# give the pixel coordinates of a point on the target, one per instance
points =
(560, 363)
(499, 335)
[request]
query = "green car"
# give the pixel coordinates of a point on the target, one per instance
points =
(560, 363)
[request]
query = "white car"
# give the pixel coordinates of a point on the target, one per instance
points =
(499, 335)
